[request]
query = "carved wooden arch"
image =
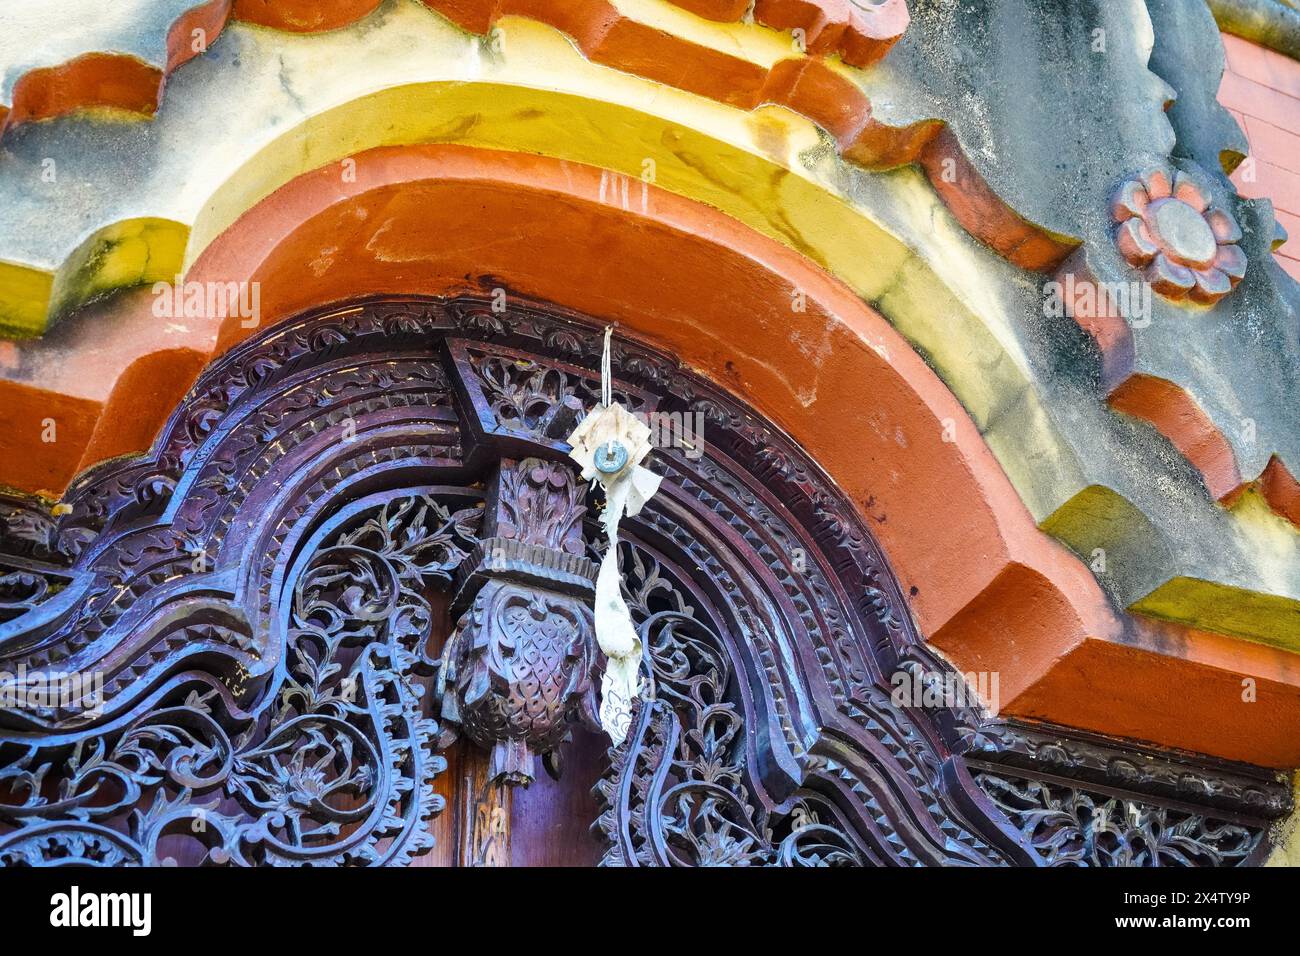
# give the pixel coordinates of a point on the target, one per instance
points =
(258, 592)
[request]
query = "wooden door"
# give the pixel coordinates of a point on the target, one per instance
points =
(340, 615)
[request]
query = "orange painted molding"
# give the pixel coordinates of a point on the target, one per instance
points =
(1200, 691)
(810, 87)
(861, 33)
(151, 386)
(982, 212)
(112, 80)
(1178, 417)
(1000, 595)
(123, 82)
(105, 80)
(195, 30)
(303, 16)
(1165, 405)
(1281, 490)
(43, 436)
(813, 89)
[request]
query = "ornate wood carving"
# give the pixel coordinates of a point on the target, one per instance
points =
(1083, 801)
(518, 668)
(333, 768)
(1094, 761)
(259, 592)
(678, 792)
(484, 808)
(1071, 826)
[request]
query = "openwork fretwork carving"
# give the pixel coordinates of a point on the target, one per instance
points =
(678, 793)
(526, 395)
(252, 609)
(1080, 801)
(335, 767)
(1069, 826)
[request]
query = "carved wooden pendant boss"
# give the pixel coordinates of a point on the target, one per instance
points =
(518, 669)
(257, 597)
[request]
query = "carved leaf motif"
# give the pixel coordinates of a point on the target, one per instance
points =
(523, 392)
(689, 802)
(420, 537)
(335, 770)
(1071, 826)
(542, 505)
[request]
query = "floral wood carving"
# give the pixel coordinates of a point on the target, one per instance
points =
(1020, 749)
(525, 395)
(1069, 826)
(518, 668)
(678, 793)
(334, 769)
(257, 595)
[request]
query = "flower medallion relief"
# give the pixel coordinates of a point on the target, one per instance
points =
(1167, 228)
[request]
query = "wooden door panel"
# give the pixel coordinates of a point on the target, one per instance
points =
(265, 598)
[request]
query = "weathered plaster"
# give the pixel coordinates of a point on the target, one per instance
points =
(40, 35)
(256, 110)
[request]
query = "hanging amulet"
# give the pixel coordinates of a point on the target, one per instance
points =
(610, 445)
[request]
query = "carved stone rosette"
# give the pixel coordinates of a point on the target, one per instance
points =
(518, 668)
(1187, 248)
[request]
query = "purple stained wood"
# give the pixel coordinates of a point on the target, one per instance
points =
(267, 593)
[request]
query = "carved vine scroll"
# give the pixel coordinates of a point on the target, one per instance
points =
(334, 768)
(252, 606)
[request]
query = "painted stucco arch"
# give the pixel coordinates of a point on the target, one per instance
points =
(744, 175)
(1000, 595)
(751, 165)
(724, 299)
(239, 123)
